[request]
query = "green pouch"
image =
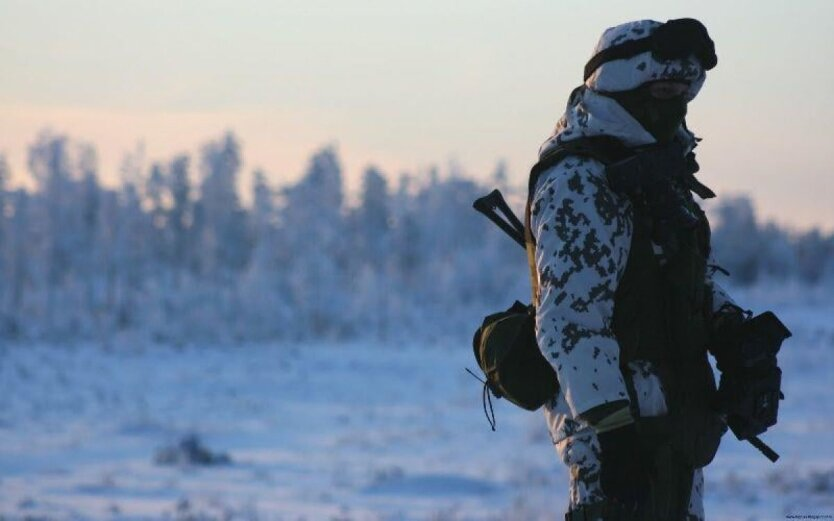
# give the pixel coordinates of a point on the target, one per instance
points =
(506, 350)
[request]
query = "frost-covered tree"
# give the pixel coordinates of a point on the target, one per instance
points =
(86, 249)
(50, 165)
(132, 254)
(19, 263)
(778, 258)
(159, 241)
(372, 219)
(263, 203)
(5, 251)
(313, 235)
(406, 234)
(224, 235)
(500, 177)
(4, 196)
(814, 255)
(736, 240)
(265, 285)
(370, 266)
(181, 215)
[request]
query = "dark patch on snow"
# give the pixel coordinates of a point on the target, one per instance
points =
(816, 481)
(26, 503)
(190, 451)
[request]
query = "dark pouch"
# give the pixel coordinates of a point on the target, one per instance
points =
(751, 399)
(506, 350)
(698, 428)
(699, 435)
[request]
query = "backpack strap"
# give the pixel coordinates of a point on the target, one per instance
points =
(606, 149)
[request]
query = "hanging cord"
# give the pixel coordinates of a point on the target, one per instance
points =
(485, 399)
(715, 267)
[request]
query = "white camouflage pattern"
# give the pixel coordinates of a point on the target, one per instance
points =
(583, 236)
(620, 75)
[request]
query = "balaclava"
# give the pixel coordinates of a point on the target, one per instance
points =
(660, 117)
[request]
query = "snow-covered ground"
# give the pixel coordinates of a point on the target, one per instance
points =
(351, 432)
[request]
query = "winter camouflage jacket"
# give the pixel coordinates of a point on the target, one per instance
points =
(583, 235)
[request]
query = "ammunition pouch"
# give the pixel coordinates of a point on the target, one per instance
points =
(750, 400)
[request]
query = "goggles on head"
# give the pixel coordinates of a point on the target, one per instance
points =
(676, 39)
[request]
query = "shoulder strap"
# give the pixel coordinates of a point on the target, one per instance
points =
(602, 148)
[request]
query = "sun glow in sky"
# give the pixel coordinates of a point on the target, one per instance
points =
(408, 84)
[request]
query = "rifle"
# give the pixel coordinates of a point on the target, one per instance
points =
(490, 205)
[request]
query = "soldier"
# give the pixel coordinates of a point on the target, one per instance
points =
(625, 299)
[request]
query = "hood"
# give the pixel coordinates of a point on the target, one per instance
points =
(590, 113)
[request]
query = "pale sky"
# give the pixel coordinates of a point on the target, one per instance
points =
(408, 84)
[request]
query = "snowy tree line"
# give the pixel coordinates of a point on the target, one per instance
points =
(755, 252)
(172, 254)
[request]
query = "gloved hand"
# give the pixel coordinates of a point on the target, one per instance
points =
(745, 350)
(625, 465)
(747, 346)
(729, 329)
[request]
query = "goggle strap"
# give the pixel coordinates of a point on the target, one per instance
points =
(618, 52)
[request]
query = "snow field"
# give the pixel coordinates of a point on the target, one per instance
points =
(351, 432)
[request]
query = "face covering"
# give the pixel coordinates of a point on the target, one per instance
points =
(660, 117)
